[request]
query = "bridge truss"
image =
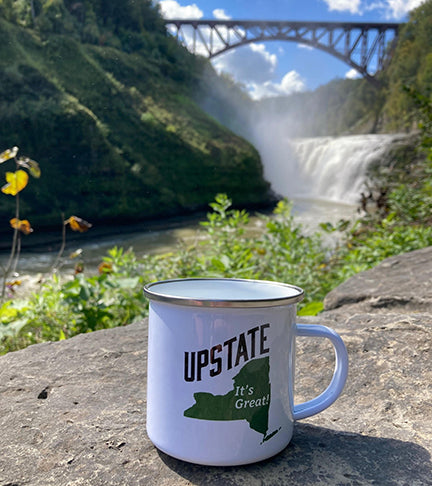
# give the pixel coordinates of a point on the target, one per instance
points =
(364, 46)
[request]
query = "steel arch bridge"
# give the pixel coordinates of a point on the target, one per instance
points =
(364, 46)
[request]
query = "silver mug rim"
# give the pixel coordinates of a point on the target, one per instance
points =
(152, 294)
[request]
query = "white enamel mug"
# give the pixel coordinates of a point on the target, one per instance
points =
(221, 358)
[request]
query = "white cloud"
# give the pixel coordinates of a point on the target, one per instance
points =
(220, 14)
(247, 64)
(171, 9)
(392, 9)
(399, 8)
(305, 46)
(352, 6)
(352, 74)
(292, 82)
(254, 67)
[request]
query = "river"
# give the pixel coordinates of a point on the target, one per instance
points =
(322, 176)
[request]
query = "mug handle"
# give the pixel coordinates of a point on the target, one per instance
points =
(331, 393)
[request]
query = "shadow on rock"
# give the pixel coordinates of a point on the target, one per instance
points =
(322, 456)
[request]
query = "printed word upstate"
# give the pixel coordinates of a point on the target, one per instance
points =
(224, 356)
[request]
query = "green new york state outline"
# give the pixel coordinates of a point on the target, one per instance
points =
(255, 373)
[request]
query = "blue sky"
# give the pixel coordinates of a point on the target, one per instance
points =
(273, 68)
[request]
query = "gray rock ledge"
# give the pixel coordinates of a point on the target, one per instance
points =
(398, 284)
(73, 412)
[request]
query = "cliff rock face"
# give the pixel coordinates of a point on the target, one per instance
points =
(111, 120)
(73, 412)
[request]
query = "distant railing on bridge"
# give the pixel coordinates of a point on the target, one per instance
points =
(364, 46)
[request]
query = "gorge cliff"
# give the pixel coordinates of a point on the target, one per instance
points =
(102, 98)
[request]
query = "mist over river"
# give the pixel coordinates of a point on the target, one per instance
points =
(322, 176)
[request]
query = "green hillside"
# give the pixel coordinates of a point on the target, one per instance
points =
(102, 98)
(411, 69)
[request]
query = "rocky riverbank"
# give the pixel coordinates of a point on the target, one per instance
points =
(73, 412)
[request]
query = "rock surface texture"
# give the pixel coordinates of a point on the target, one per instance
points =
(73, 412)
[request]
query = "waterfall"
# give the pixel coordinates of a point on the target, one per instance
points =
(323, 168)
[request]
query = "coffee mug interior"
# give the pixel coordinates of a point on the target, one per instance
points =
(214, 292)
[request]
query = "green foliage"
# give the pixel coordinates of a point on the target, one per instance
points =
(63, 309)
(103, 98)
(228, 245)
(93, 21)
(340, 107)
(387, 239)
(404, 223)
(411, 66)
